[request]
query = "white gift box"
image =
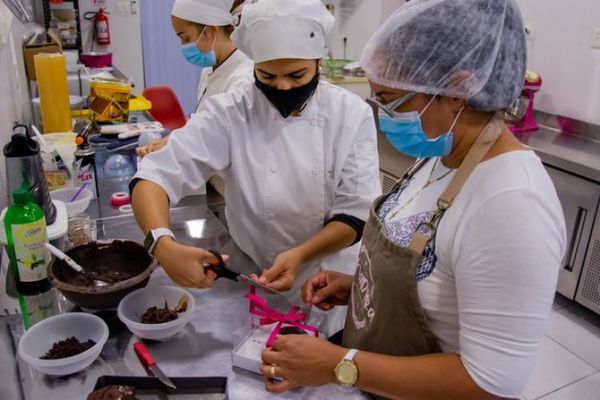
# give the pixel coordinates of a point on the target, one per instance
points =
(248, 353)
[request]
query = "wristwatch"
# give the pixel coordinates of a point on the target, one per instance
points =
(153, 236)
(346, 371)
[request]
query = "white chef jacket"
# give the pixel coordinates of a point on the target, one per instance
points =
(236, 70)
(284, 177)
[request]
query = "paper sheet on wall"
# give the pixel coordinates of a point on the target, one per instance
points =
(347, 10)
(5, 23)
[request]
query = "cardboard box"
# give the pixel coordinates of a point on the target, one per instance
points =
(31, 50)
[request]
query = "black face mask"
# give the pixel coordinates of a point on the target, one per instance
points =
(288, 101)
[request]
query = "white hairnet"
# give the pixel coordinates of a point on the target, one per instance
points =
(470, 49)
(205, 12)
(276, 29)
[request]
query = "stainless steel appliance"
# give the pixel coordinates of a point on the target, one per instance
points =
(579, 277)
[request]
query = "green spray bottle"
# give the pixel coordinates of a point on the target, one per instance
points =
(26, 234)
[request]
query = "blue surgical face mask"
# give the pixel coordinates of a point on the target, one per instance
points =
(194, 55)
(405, 133)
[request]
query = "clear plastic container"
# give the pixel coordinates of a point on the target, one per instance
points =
(82, 230)
(40, 338)
(136, 303)
(119, 165)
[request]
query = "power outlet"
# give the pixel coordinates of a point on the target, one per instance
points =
(596, 38)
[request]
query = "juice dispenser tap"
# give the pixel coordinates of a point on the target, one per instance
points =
(24, 169)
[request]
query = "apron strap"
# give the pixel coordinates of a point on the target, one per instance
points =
(479, 149)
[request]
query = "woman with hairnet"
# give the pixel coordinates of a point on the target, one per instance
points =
(298, 157)
(204, 28)
(459, 263)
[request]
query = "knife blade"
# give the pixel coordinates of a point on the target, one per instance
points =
(149, 362)
(249, 281)
(224, 271)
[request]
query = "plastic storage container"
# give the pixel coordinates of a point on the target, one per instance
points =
(136, 303)
(40, 338)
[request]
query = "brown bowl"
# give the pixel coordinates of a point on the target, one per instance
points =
(128, 258)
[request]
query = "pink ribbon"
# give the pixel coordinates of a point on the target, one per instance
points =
(260, 308)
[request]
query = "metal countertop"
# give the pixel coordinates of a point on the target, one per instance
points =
(203, 348)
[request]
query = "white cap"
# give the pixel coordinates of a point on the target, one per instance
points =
(276, 29)
(204, 12)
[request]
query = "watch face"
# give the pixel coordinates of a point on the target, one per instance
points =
(148, 240)
(346, 373)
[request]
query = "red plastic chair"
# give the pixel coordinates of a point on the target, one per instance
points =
(165, 107)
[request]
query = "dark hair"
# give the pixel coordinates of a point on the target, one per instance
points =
(228, 29)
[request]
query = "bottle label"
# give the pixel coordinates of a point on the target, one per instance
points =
(30, 250)
(85, 174)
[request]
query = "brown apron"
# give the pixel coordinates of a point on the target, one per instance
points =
(384, 312)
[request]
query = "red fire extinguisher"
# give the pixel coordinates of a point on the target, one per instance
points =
(102, 30)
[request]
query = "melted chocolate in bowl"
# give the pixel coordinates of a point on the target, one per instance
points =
(113, 262)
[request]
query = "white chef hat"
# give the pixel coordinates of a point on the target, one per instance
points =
(276, 29)
(205, 12)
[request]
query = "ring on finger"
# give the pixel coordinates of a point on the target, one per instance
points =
(273, 366)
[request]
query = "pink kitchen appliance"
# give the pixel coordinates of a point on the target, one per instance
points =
(526, 122)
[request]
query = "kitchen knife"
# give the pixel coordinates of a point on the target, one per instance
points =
(149, 362)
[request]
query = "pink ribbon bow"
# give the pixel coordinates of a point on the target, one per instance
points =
(260, 308)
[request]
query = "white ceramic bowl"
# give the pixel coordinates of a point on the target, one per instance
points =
(41, 336)
(137, 302)
(77, 206)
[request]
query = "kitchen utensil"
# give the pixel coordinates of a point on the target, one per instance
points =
(40, 337)
(182, 304)
(149, 362)
(95, 59)
(198, 388)
(24, 166)
(525, 122)
(223, 271)
(76, 206)
(76, 195)
(135, 304)
(118, 256)
(38, 135)
(69, 261)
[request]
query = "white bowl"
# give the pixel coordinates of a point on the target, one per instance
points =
(77, 206)
(41, 336)
(137, 302)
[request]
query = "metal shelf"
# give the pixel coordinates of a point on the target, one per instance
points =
(48, 17)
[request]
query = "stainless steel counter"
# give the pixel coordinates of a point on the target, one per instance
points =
(576, 154)
(576, 151)
(203, 348)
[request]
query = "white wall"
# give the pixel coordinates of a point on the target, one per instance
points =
(368, 17)
(125, 35)
(561, 53)
(14, 97)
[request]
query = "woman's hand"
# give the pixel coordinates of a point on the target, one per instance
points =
(327, 289)
(282, 274)
(185, 265)
(143, 151)
(300, 360)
